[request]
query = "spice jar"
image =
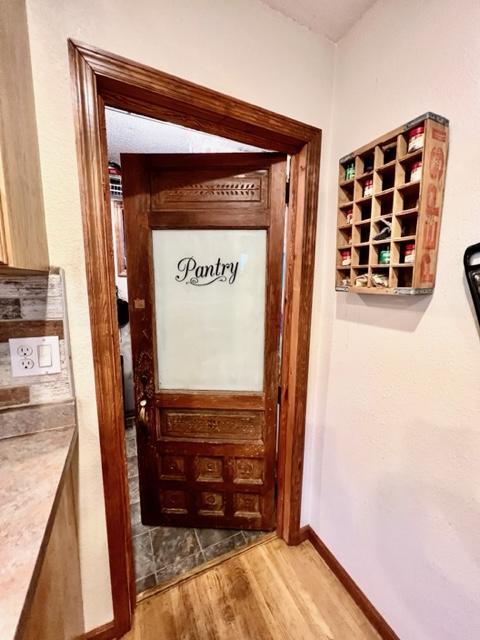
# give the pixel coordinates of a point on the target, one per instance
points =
(384, 256)
(349, 215)
(349, 171)
(410, 252)
(416, 172)
(367, 188)
(346, 256)
(416, 138)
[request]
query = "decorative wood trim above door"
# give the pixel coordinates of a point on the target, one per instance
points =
(102, 79)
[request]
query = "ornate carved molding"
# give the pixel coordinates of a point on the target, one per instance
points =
(190, 424)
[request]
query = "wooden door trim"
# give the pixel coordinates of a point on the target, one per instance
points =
(100, 78)
(176, 399)
(241, 219)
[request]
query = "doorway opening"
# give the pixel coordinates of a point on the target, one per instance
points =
(160, 552)
(101, 79)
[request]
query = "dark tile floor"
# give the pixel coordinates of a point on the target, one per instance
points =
(161, 553)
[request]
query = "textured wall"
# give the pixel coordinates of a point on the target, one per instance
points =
(238, 47)
(393, 484)
(34, 403)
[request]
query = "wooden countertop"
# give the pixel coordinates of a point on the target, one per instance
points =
(32, 468)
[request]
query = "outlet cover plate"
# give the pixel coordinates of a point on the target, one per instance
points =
(27, 355)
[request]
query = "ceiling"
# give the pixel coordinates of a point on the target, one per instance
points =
(331, 19)
(128, 133)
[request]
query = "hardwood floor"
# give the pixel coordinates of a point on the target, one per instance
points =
(162, 553)
(268, 592)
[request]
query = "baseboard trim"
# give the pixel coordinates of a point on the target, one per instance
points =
(105, 632)
(370, 612)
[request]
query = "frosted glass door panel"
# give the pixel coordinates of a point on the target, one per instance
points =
(210, 308)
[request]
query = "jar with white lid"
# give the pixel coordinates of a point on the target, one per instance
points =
(416, 172)
(367, 188)
(416, 138)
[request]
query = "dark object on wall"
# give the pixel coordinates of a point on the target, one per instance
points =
(472, 272)
(122, 312)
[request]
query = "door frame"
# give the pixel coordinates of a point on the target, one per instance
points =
(101, 79)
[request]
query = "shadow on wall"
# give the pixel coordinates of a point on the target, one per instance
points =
(419, 532)
(436, 528)
(402, 313)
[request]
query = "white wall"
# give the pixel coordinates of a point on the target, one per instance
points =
(239, 47)
(393, 445)
(394, 460)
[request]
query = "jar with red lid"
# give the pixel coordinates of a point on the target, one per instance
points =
(367, 188)
(416, 138)
(346, 256)
(410, 252)
(416, 172)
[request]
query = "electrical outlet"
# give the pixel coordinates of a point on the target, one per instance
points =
(35, 356)
(25, 350)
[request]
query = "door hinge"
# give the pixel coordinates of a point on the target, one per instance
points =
(287, 192)
(279, 395)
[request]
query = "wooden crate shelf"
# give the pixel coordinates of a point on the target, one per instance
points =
(413, 208)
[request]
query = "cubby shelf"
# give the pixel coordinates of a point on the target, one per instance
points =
(363, 199)
(385, 167)
(407, 212)
(411, 156)
(409, 186)
(405, 239)
(384, 193)
(364, 176)
(411, 208)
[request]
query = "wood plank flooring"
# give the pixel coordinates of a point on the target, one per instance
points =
(268, 592)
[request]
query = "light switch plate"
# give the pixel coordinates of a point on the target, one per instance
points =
(34, 356)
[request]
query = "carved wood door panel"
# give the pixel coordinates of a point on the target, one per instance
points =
(204, 244)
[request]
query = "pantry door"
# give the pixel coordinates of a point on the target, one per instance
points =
(204, 245)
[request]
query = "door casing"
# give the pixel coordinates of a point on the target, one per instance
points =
(101, 79)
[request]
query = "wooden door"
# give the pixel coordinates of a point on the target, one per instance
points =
(204, 244)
